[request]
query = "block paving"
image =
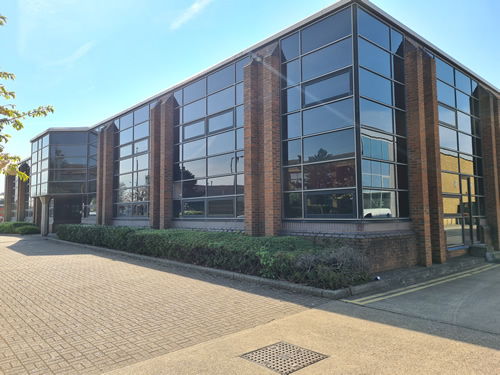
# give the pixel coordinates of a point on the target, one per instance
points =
(68, 309)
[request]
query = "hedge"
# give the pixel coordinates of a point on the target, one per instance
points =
(291, 259)
(19, 227)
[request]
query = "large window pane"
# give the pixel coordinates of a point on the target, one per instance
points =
(293, 205)
(330, 175)
(193, 208)
(327, 117)
(222, 100)
(329, 146)
(444, 72)
(373, 29)
(223, 164)
(220, 122)
(379, 204)
(292, 178)
(194, 130)
(221, 143)
(194, 169)
(328, 89)
(221, 79)
(291, 126)
(333, 204)
(220, 186)
(448, 138)
(194, 188)
(292, 152)
(290, 99)
(447, 115)
(375, 87)
(326, 31)
(221, 208)
(196, 149)
(376, 115)
(194, 91)
(290, 73)
(327, 59)
(194, 110)
(290, 47)
(446, 94)
(374, 58)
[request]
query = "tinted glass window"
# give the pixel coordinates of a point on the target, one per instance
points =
(293, 205)
(464, 122)
(240, 65)
(464, 102)
(141, 146)
(291, 99)
(290, 47)
(126, 121)
(220, 143)
(326, 31)
(223, 164)
(292, 153)
(397, 45)
(196, 149)
(398, 67)
(141, 162)
(291, 73)
(194, 169)
(141, 115)
(240, 116)
(373, 29)
(375, 87)
(329, 146)
(68, 138)
(194, 188)
(293, 178)
(399, 96)
(446, 93)
(291, 126)
(376, 115)
(194, 91)
(447, 115)
(374, 58)
(222, 100)
(219, 122)
(220, 186)
(465, 143)
(240, 94)
(178, 98)
(463, 82)
(194, 130)
(194, 110)
(240, 138)
(221, 207)
(444, 72)
(327, 60)
(142, 130)
(328, 88)
(330, 205)
(221, 79)
(125, 151)
(73, 150)
(327, 117)
(330, 175)
(447, 138)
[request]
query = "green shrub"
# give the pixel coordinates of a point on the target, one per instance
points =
(284, 258)
(14, 226)
(28, 229)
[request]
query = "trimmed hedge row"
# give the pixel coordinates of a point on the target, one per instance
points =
(285, 258)
(19, 227)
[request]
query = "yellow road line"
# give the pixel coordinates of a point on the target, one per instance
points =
(416, 287)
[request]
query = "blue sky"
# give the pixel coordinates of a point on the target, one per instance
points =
(93, 58)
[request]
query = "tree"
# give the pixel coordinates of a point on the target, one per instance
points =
(10, 116)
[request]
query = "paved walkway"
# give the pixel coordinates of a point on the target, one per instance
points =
(67, 309)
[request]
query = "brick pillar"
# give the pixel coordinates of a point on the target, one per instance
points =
(105, 175)
(417, 152)
(7, 206)
(166, 175)
(272, 142)
(490, 132)
(436, 211)
(254, 194)
(154, 166)
(21, 190)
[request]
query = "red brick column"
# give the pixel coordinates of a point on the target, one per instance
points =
(166, 117)
(490, 132)
(254, 194)
(436, 211)
(21, 190)
(417, 151)
(105, 175)
(272, 142)
(154, 166)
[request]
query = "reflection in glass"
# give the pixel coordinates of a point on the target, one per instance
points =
(290, 99)
(329, 146)
(194, 188)
(327, 117)
(193, 208)
(293, 178)
(446, 93)
(220, 122)
(290, 47)
(141, 162)
(194, 149)
(376, 115)
(126, 121)
(292, 153)
(194, 130)
(194, 169)
(220, 207)
(449, 161)
(373, 29)
(375, 87)
(327, 89)
(326, 31)
(125, 136)
(374, 58)
(291, 126)
(220, 186)
(444, 72)
(450, 183)
(194, 91)
(221, 143)
(326, 60)
(194, 110)
(141, 115)
(397, 45)
(290, 73)
(293, 205)
(222, 164)
(332, 204)
(448, 138)
(221, 100)
(447, 115)
(465, 142)
(221, 79)
(329, 175)
(463, 82)
(379, 204)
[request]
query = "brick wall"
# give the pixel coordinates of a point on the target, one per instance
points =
(417, 151)
(166, 112)
(105, 175)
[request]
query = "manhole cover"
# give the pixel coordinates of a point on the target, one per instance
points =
(284, 358)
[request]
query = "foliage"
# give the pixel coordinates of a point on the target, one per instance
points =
(291, 259)
(19, 227)
(10, 116)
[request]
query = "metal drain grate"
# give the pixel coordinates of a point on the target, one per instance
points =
(284, 358)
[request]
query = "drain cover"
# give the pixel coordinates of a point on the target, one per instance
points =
(284, 358)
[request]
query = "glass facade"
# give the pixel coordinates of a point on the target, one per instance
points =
(461, 155)
(131, 164)
(327, 166)
(208, 146)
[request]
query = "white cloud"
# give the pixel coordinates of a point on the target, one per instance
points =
(189, 13)
(79, 53)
